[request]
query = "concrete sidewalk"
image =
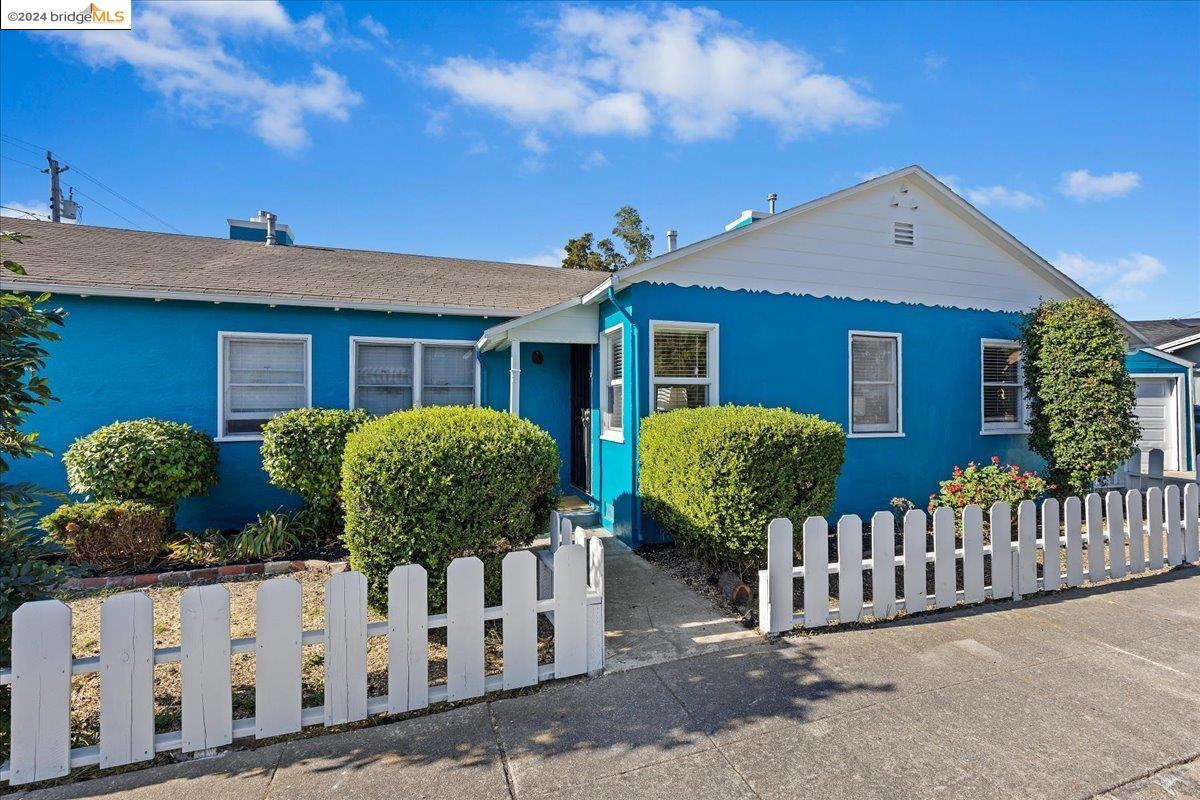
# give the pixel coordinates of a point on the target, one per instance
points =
(1073, 695)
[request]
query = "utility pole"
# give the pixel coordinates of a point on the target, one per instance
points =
(55, 190)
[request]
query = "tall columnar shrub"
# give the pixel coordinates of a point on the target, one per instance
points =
(714, 477)
(429, 485)
(1081, 399)
(148, 460)
(302, 452)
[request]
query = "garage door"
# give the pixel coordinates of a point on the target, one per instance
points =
(1156, 414)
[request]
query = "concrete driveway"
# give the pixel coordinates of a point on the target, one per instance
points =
(1074, 695)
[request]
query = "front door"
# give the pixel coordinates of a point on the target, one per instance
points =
(581, 417)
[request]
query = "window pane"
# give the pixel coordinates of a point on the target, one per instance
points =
(388, 365)
(380, 400)
(1001, 404)
(874, 408)
(444, 365)
(614, 414)
(616, 362)
(669, 398)
(1000, 364)
(265, 361)
(874, 358)
(266, 400)
(448, 396)
(681, 354)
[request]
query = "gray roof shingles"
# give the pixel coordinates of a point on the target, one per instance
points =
(118, 259)
(1162, 331)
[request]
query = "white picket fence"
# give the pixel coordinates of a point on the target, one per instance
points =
(1109, 524)
(42, 663)
(1133, 474)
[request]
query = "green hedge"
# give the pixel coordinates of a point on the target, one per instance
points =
(109, 536)
(302, 452)
(149, 460)
(714, 477)
(429, 485)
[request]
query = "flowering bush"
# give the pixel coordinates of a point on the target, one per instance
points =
(994, 483)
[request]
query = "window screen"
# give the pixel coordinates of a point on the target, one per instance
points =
(448, 375)
(682, 376)
(874, 363)
(384, 377)
(262, 377)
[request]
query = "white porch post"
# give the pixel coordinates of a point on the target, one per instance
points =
(514, 377)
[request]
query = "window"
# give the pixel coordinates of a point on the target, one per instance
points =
(904, 233)
(1003, 386)
(875, 384)
(684, 365)
(612, 374)
(397, 374)
(261, 375)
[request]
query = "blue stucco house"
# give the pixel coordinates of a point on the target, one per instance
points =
(890, 307)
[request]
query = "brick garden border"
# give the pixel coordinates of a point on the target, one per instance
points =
(187, 576)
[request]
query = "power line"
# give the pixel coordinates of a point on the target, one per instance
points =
(19, 161)
(111, 211)
(29, 214)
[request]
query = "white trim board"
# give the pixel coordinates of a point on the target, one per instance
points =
(222, 337)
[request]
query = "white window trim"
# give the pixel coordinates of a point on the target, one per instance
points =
(1021, 428)
(606, 433)
(418, 362)
(899, 432)
(222, 337)
(713, 380)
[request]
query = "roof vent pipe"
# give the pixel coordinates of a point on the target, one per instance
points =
(269, 218)
(771, 198)
(672, 240)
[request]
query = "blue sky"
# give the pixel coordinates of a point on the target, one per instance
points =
(498, 131)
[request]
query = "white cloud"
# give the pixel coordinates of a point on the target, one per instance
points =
(1122, 279)
(1001, 196)
(435, 124)
(870, 174)
(534, 143)
(1083, 185)
(180, 51)
(628, 72)
(375, 28)
(594, 159)
(33, 209)
(547, 258)
(934, 63)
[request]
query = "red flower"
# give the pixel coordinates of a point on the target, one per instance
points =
(995, 459)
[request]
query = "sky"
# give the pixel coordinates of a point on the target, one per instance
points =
(498, 131)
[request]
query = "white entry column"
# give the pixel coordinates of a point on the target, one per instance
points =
(514, 377)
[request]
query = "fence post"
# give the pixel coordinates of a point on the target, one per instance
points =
(555, 527)
(1051, 545)
(1191, 522)
(126, 679)
(277, 647)
(570, 611)
(595, 610)
(408, 638)
(207, 704)
(519, 596)
(345, 648)
(775, 582)
(1174, 525)
(41, 692)
(883, 565)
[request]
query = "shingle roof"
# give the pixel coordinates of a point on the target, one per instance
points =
(117, 261)
(1161, 331)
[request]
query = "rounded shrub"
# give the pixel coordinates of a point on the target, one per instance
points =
(714, 477)
(429, 485)
(302, 452)
(149, 460)
(109, 536)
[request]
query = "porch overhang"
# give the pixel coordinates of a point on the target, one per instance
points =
(568, 322)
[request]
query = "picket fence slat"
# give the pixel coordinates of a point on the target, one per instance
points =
(850, 557)
(972, 522)
(1027, 547)
(1114, 516)
(595, 610)
(914, 562)
(207, 705)
(1051, 545)
(1000, 520)
(1191, 523)
(944, 564)
(816, 573)
(279, 631)
(464, 628)
(126, 679)
(570, 611)
(1094, 516)
(408, 638)
(345, 648)
(1154, 526)
(775, 595)
(519, 593)
(1174, 525)
(1137, 531)
(883, 565)
(41, 692)
(1073, 524)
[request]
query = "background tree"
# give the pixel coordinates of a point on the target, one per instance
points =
(1081, 398)
(583, 252)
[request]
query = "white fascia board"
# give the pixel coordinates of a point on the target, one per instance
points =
(257, 299)
(1176, 344)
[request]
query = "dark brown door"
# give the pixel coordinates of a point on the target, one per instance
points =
(581, 417)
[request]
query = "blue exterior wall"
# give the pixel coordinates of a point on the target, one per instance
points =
(1143, 363)
(613, 460)
(122, 359)
(793, 351)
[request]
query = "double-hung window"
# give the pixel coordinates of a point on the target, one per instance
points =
(612, 377)
(1003, 386)
(875, 384)
(683, 368)
(397, 374)
(261, 375)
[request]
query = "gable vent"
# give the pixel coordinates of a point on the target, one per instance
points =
(902, 233)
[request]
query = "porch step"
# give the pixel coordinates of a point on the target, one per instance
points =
(586, 517)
